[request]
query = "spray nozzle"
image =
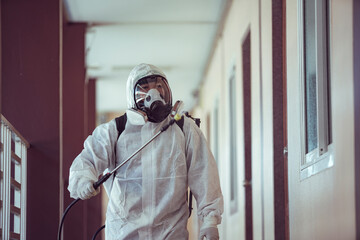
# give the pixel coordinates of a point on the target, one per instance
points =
(177, 110)
(177, 117)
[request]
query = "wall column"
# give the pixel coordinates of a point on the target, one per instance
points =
(78, 123)
(73, 96)
(94, 221)
(31, 49)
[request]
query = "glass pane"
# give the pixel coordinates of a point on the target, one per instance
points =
(11, 222)
(216, 132)
(1, 219)
(330, 140)
(16, 223)
(1, 187)
(310, 75)
(17, 198)
(327, 22)
(233, 154)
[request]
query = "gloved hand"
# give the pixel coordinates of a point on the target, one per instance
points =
(86, 190)
(211, 233)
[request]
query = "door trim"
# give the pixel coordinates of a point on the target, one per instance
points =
(356, 52)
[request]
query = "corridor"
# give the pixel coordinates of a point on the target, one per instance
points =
(275, 84)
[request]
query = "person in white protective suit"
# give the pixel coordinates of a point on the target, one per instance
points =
(147, 196)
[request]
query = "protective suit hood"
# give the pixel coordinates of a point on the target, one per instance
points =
(138, 72)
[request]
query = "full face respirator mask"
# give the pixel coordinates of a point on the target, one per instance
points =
(153, 98)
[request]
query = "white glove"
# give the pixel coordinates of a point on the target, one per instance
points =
(86, 190)
(209, 229)
(210, 233)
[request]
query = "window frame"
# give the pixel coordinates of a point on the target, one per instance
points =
(322, 157)
(215, 129)
(233, 153)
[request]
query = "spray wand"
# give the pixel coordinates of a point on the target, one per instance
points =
(175, 114)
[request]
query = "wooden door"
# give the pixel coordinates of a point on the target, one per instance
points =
(246, 59)
(281, 210)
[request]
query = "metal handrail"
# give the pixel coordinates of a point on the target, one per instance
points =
(13, 149)
(13, 129)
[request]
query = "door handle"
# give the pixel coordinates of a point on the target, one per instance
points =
(246, 183)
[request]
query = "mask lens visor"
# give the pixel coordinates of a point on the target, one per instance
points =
(144, 85)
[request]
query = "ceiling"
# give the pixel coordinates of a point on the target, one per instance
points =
(176, 36)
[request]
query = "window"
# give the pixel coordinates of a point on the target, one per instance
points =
(13, 183)
(216, 132)
(208, 127)
(233, 144)
(314, 70)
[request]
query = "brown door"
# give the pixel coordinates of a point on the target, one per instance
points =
(246, 57)
(280, 120)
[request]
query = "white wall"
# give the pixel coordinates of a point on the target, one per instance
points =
(243, 17)
(323, 206)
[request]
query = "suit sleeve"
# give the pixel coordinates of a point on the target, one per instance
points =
(203, 174)
(96, 156)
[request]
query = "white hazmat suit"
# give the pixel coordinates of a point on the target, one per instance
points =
(147, 196)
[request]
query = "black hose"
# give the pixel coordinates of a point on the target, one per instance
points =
(190, 203)
(97, 232)
(63, 217)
